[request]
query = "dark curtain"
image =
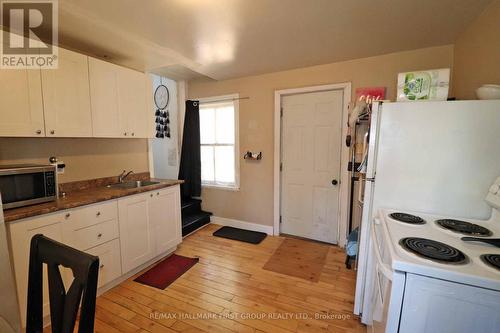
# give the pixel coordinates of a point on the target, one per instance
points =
(190, 167)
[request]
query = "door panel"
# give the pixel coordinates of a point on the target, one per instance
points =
(133, 103)
(66, 97)
(106, 118)
(20, 240)
(135, 231)
(21, 103)
(311, 144)
(165, 219)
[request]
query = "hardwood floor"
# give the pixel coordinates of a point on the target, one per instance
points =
(228, 291)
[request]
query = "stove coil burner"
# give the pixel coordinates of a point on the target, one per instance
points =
(463, 227)
(492, 260)
(407, 218)
(433, 250)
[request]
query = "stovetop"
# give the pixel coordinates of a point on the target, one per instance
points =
(430, 245)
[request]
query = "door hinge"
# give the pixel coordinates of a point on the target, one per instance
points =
(281, 219)
(281, 166)
(281, 112)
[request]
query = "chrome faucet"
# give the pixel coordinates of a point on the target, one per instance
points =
(124, 175)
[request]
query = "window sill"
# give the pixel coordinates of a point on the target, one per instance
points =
(221, 187)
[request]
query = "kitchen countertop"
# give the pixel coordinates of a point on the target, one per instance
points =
(83, 197)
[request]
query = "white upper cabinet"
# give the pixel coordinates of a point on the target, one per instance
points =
(83, 97)
(66, 97)
(21, 106)
(119, 99)
(132, 100)
(106, 118)
(21, 103)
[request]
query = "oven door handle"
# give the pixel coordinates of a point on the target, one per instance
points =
(384, 268)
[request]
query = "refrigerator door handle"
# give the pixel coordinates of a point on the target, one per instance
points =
(361, 189)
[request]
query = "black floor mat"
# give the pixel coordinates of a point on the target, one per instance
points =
(242, 235)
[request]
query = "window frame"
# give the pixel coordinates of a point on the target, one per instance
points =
(218, 99)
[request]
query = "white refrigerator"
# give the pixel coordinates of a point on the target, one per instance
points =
(432, 157)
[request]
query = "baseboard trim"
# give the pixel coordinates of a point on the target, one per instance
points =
(242, 224)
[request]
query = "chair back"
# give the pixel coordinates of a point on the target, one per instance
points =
(63, 305)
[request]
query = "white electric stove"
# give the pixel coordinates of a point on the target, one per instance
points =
(426, 279)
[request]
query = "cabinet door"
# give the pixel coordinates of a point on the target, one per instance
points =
(21, 107)
(135, 231)
(133, 103)
(66, 97)
(164, 212)
(20, 235)
(109, 261)
(106, 117)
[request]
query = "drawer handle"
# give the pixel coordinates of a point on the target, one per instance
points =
(98, 214)
(99, 235)
(101, 266)
(67, 215)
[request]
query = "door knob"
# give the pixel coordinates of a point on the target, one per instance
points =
(335, 182)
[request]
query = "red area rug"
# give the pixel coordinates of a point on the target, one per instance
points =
(167, 271)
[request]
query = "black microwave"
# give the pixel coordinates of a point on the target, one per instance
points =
(27, 184)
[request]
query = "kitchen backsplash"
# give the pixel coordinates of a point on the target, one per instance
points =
(85, 158)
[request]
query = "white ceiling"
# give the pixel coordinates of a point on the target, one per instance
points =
(231, 38)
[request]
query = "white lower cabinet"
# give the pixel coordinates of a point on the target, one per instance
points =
(123, 233)
(110, 266)
(150, 224)
(165, 216)
(20, 238)
(135, 239)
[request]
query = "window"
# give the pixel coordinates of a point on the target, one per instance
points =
(219, 142)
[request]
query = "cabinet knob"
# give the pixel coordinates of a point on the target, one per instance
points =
(67, 215)
(125, 133)
(157, 193)
(38, 131)
(99, 235)
(133, 133)
(98, 214)
(52, 132)
(101, 266)
(151, 195)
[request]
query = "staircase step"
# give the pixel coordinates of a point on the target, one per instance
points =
(189, 202)
(190, 206)
(194, 221)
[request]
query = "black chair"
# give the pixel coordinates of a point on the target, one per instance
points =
(63, 306)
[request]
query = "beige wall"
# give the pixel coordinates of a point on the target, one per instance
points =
(84, 158)
(254, 202)
(477, 54)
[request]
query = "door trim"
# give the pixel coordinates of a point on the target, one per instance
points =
(344, 155)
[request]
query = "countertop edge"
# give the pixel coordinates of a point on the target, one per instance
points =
(16, 214)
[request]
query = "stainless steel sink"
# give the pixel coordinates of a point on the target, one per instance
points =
(133, 184)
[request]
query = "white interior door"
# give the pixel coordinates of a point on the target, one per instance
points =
(310, 148)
